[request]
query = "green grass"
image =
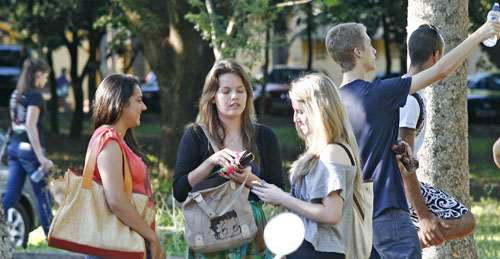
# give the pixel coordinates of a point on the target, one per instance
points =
(481, 158)
(485, 179)
(487, 232)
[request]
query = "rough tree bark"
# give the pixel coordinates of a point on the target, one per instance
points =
(444, 155)
(181, 60)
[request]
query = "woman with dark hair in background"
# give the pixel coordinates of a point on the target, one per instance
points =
(117, 109)
(226, 111)
(26, 152)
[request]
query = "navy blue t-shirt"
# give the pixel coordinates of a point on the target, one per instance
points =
(19, 111)
(373, 110)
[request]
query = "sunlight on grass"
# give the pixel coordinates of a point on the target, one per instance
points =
(36, 237)
(37, 242)
(170, 221)
(487, 232)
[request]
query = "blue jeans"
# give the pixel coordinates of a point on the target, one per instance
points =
(21, 163)
(394, 236)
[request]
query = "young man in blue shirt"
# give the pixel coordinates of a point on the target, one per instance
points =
(373, 109)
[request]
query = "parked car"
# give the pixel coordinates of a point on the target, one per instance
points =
(384, 75)
(11, 62)
(22, 218)
(151, 92)
(483, 100)
(277, 86)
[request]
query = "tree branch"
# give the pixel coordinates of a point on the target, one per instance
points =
(211, 16)
(290, 3)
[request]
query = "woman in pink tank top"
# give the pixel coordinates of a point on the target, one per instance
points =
(117, 109)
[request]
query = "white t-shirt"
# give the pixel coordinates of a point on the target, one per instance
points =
(408, 117)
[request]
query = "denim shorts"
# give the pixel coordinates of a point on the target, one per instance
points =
(395, 236)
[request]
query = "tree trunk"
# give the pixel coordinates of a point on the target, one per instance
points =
(261, 102)
(5, 247)
(54, 99)
(94, 38)
(309, 36)
(387, 48)
(76, 82)
(280, 50)
(403, 49)
(444, 157)
(181, 60)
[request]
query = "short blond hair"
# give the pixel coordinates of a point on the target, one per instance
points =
(341, 40)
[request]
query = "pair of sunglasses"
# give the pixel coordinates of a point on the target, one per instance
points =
(436, 31)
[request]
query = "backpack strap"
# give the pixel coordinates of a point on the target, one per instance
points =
(210, 140)
(355, 199)
(199, 198)
(347, 151)
(421, 115)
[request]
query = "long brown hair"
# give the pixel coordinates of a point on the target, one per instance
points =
(27, 79)
(208, 115)
(111, 97)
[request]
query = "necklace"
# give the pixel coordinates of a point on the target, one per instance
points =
(232, 140)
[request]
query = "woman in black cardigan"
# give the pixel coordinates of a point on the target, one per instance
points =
(227, 112)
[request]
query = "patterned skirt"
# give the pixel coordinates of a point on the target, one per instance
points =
(439, 203)
(253, 250)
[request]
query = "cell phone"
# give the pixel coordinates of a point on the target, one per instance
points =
(246, 158)
(257, 182)
(410, 164)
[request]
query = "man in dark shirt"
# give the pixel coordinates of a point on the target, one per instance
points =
(373, 110)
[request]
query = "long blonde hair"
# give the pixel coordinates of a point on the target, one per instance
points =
(208, 115)
(328, 120)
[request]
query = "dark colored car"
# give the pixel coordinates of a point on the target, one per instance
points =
(22, 218)
(384, 75)
(483, 100)
(11, 62)
(277, 86)
(151, 93)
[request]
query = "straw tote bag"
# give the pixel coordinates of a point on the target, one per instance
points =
(86, 224)
(220, 217)
(361, 232)
(360, 239)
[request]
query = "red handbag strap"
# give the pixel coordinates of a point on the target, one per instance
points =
(88, 171)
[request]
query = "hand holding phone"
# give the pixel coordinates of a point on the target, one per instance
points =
(411, 164)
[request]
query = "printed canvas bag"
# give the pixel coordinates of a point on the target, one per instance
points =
(218, 218)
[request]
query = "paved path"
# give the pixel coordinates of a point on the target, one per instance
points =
(23, 255)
